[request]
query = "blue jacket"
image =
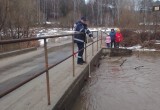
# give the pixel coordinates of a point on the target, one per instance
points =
(112, 35)
(81, 27)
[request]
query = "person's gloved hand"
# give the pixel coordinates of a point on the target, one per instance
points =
(92, 39)
(90, 35)
(85, 26)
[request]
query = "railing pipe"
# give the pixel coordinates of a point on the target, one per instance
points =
(47, 71)
(92, 47)
(101, 38)
(97, 40)
(85, 51)
(73, 54)
(36, 38)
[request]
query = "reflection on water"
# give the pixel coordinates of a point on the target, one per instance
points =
(133, 86)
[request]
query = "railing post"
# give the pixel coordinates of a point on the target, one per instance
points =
(85, 52)
(101, 38)
(73, 56)
(97, 41)
(89, 69)
(92, 47)
(47, 72)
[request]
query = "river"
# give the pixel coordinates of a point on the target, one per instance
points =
(123, 83)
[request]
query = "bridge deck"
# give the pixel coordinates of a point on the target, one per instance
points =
(33, 95)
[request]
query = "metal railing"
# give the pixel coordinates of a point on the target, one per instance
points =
(47, 66)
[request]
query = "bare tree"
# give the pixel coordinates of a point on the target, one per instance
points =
(3, 12)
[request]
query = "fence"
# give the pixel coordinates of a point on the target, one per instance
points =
(47, 67)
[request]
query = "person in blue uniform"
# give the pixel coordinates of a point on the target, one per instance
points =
(80, 39)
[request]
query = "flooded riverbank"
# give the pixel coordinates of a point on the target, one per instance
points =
(123, 83)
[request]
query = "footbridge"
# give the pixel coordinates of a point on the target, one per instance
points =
(48, 78)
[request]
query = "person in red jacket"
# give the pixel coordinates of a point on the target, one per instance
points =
(118, 38)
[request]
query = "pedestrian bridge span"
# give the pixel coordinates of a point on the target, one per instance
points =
(53, 89)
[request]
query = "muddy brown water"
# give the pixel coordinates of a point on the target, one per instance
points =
(123, 83)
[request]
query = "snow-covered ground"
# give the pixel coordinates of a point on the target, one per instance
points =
(138, 48)
(107, 30)
(58, 31)
(52, 32)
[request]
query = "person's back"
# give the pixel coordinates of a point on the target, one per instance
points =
(80, 27)
(118, 38)
(108, 41)
(112, 34)
(80, 39)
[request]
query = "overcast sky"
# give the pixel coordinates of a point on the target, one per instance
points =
(86, 1)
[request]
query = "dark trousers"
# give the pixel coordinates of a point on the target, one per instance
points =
(80, 53)
(113, 43)
(117, 44)
(108, 45)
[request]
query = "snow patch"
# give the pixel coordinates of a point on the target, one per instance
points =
(138, 48)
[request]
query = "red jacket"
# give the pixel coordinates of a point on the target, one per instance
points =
(119, 37)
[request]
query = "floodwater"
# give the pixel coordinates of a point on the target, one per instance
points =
(123, 83)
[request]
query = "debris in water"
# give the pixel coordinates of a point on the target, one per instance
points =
(123, 62)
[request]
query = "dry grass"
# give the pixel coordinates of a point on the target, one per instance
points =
(145, 39)
(17, 46)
